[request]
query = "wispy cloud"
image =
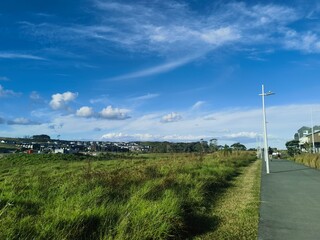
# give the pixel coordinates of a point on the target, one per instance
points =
(198, 105)
(6, 55)
(178, 34)
(172, 28)
(4, 79)
(154, 70)
(34, 96)
(171, 117)
(145, 97)
(22, 121)
(306, 42)
(7, 93)
(103, 99)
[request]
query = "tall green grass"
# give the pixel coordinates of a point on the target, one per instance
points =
(151, 196)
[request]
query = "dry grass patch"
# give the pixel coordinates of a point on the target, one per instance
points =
(308, 159)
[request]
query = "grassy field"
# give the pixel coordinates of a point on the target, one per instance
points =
(7, 148)
(163, 196)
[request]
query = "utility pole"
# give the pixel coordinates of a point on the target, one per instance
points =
(266, 154)
(312, 132)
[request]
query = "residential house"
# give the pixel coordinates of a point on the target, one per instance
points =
(302, 132)
(316, 139)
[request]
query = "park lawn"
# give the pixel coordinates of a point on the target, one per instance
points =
(123, 196)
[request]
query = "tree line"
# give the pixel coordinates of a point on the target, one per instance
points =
(187, 147)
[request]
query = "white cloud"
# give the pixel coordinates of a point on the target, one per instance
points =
(127, 137)
(85, 112)
(171, 117)
(114, 6)
(307, 42)
(232, 125)
(145, 97)
(114, 113)
(151, 137)
(102, 99)
(209, 118)
(238, 135)
(170, 28)
(184, 138)
(6, 55)
(198, 105)
(155, 70)
(177, 33)
(22, 121)
(7, 93)
(220, 36)
(60, 100)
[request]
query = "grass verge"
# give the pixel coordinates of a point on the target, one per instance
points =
(310, 160)
(237, 210)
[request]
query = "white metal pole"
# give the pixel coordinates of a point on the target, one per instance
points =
(266, 154)
(312, 132)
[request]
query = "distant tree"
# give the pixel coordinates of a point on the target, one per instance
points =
(270, 151)
(238, 147)
(293, 147)
(204, 146)
(226, 150)
(41, 137)
(213, 146)
(252, 149)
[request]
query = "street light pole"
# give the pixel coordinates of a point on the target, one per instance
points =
(266, 154)
(312, 132)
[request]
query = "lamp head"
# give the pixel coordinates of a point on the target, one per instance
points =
(269, 93)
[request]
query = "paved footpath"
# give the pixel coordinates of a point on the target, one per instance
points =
(290, 202)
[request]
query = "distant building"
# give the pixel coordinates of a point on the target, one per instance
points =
(61, 150)
(316, 138)
(302, 132)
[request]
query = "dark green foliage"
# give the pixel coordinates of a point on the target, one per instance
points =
(180, 147)
(293, 147)
(41, 138)
(238, 147)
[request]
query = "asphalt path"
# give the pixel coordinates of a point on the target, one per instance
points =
(290, 202)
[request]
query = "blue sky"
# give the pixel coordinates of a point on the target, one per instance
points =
(158, 70)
